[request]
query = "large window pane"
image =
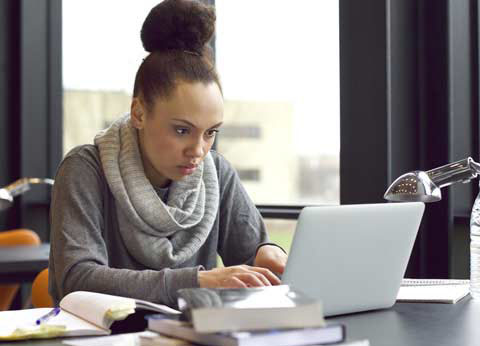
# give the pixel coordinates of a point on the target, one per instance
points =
(101, 54)
(279, 64)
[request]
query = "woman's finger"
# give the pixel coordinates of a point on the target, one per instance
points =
(268, 274)
(262, 274)
(236, 283)
(251, 279)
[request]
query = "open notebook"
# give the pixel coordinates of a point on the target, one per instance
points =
(433, 290)
(82, 313)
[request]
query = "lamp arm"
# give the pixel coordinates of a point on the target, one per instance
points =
(22, 185)
(460, 171)
(18, 187)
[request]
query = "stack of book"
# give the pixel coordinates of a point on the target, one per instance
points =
(274, 315)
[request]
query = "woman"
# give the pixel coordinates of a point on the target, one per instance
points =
(144, 211)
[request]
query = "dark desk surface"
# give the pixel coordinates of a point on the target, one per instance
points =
(406, 324)
(418, 324)
(22, 263)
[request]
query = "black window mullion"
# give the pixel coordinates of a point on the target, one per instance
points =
(40, 103)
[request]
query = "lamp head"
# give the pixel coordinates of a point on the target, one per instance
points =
(6, 199)
(425, 186)
(413, 186)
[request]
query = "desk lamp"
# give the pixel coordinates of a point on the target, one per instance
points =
(17, 188)
(425, 187)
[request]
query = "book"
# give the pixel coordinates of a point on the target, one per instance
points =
(234, 309)
(127, 339)
(433, 290)
(81, 313)
(330, 333)
(364, 342)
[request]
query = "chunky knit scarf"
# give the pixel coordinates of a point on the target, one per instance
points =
(156, 234)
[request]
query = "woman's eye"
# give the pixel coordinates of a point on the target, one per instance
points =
(212, 133)
(181, 130)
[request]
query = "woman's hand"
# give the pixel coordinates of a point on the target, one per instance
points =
(237, 276)
(271, 257)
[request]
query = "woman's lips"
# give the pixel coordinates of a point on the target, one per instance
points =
(187, 169)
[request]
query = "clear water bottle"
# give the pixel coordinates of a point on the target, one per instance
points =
(475, 249)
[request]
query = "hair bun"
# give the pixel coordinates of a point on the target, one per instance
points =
(178, 24)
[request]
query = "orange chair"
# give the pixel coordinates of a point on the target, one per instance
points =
(14, 237)
(40, 296)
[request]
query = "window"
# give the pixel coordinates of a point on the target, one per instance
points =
(101, 55)
(280, 79)
(281, 86)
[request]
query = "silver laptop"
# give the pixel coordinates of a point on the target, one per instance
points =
(353, 257)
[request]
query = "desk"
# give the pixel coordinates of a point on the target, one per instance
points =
(22, 263)
(406, 324)
(418, 324)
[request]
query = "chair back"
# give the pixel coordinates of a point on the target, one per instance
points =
(40, 296)
(15, 237)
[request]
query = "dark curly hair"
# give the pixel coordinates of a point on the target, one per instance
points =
(176, 33)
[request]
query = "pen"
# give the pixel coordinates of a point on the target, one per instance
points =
(52, 313)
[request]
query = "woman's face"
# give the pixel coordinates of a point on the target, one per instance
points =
(178, 132)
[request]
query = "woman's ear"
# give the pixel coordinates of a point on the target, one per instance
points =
(137, 113)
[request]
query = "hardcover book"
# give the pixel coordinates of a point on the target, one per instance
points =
(273, 307)
(279, 337)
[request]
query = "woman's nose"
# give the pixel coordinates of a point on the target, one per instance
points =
(196, 149)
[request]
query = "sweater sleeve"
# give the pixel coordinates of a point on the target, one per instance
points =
(242, 229)
(79, 259)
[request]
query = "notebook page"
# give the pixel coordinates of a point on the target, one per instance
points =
(76, 326)
(26, 320)
(96, 307)
(433, 293)
(164, 309)
(14, 319)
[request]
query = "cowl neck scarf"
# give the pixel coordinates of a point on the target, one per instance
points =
(156, 234)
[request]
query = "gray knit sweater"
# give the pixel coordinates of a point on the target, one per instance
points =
(88, 252)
